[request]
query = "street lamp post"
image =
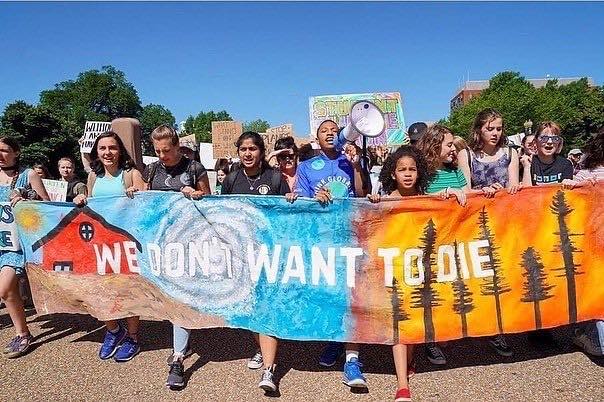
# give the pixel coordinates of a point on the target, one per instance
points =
(528, 127)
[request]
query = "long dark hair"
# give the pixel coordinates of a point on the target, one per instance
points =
(389, 183)
(594, 151)
(259, 142)
(483, 117)
(430, 145)
(125, 162)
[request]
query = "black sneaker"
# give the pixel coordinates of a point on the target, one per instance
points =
(501, 346)
(176, 375)
(435, 354)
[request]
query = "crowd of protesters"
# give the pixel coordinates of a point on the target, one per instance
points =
(436, 163)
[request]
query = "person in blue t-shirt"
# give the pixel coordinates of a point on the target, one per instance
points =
(329, 174)
(323, 177)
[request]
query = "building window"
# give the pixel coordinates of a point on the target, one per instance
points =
(86, 231)
(63, 266)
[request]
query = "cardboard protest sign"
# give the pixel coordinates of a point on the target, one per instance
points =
(56, 189)
(337, 108)
(274, 133)
(9, 237)
(93, 129)
(206, 155)
(224, 136)
(416, 270)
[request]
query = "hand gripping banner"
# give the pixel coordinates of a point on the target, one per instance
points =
(411, 270)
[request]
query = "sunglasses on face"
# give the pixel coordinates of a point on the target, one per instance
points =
(544, 139)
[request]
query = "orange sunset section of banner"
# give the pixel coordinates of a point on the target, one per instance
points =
(532, 263)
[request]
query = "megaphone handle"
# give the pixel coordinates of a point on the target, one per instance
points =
(364, 159)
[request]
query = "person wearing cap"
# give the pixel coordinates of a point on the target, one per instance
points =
(574, 156)
(416, 131)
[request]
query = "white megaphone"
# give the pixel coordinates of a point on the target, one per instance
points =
(365, 119)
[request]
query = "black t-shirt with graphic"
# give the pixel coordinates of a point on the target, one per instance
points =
(555, 172)
(186, 172)
(268, 182)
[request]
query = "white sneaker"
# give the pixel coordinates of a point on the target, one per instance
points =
(266, 381)
(255, 361)
(582, 340)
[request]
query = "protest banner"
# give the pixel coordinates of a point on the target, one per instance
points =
(224, 136)
(417, 270)
(274, 133)
(93, 129)
(188, 141)
(337, 108)
(9, 238)
(56, 189)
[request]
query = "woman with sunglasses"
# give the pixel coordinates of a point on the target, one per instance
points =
(547, 165)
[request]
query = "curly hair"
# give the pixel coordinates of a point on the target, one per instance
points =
(389, 183)
(483, 117)
(594, 151)
(430, 146)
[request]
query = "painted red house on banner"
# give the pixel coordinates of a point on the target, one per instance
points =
(84, 242)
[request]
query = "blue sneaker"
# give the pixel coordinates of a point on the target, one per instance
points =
(331, 353)
(353, 377)
(127, 350)
(111, 343)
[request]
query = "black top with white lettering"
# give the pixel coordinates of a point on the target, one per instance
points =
(268, 182)
(555, 172)
(173, 178)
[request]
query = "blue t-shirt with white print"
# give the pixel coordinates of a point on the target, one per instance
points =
(337, 175)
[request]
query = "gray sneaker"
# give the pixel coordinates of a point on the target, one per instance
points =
(18, 346)
(587, 344)
(255, 361)
(266, 381)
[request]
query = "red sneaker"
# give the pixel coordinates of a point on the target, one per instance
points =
(403, 395)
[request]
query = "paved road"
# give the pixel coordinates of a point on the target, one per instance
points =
(64, 366)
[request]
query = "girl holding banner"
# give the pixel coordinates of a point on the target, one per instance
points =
(256, 177)
(16, 184)
(113, 173)
(175, 172)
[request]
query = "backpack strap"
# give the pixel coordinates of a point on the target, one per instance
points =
(152, 170)
(127, 178)
(276, 181)
(192, 173)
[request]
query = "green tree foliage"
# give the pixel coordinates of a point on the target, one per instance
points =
(40, 133)
(95, 95)
(259, 126)
(152, 116)
(578, 108)
(201, 125)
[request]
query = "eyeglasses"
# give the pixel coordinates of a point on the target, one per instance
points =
(543, 139)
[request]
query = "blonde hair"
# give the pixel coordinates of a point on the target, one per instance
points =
(459, 143)
(65, 159)
(552, 125)
(163, 132)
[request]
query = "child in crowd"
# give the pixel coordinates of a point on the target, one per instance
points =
(113, 173)
(547, 165)
(74, 185)
(405, 173)
(489, 165)
(286, 153)
(41, 171)
(16, 184)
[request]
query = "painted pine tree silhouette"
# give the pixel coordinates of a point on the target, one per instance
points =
(561, 209)
(462, 297)
(398, 309)
(495, 285)
(424, 296)
(535, 284)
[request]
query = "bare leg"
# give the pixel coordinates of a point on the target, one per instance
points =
(133, 323)
(268, 347)
(9, 292)
(111, 325)
(403, 355)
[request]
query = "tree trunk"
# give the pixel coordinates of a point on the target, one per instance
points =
(537, 311)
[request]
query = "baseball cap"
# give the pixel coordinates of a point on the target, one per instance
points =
(416, 130)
